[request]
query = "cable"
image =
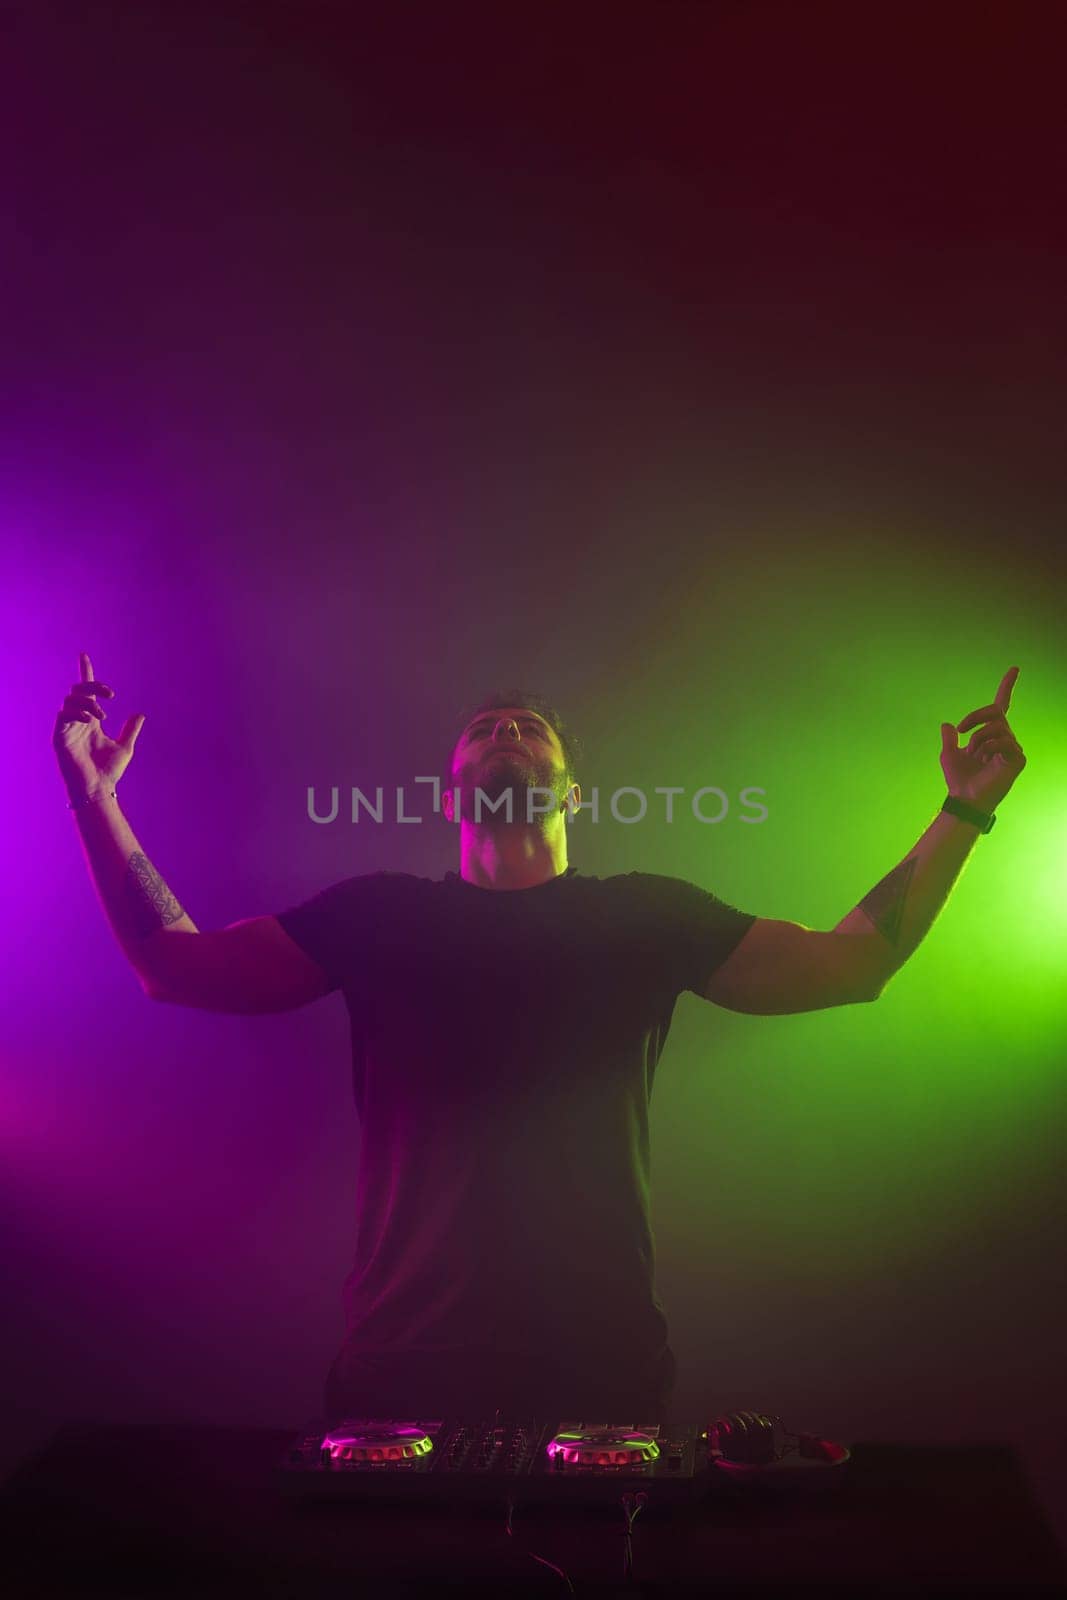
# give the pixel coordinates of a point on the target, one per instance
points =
(551, 1564)
(632, 1505)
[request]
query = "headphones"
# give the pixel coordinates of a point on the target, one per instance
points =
(748, 1439)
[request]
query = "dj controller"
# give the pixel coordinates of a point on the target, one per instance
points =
(579, 1461)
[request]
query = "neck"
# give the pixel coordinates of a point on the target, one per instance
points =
(512, 856)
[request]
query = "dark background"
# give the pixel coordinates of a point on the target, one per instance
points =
(700, 365)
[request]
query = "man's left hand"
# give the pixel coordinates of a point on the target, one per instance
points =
(982, 772)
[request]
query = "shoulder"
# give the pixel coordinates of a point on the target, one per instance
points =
(660, 887)
(359, 889)
(674, 905)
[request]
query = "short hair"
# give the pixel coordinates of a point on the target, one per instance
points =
(525, 700)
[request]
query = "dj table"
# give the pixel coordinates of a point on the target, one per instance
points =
(137, 1511)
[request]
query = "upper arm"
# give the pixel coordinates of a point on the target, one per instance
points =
(249, 967)
(783, 967)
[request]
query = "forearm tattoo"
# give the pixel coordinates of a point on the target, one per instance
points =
(885, 903)
(149, 903)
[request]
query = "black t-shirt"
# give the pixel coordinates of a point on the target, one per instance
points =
(504, 1044)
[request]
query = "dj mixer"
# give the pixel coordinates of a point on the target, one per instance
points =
(581, 1461)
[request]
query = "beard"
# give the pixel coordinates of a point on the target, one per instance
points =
(500, 776)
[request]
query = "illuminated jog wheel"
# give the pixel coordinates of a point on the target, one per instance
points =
(375, 1447)
(626, 1450)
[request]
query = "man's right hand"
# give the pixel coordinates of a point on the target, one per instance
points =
(88, 760)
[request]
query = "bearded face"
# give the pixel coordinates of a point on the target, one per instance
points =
(509, 752)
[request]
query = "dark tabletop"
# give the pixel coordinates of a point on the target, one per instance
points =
(141, 1511)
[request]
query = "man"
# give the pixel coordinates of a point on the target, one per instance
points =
(506, 1022)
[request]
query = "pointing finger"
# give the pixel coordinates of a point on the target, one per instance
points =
(87, 681)
(1007, 684)
(999, 707)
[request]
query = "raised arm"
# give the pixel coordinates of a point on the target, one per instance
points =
(135, 900)
(782, 967)
(896, 915)
(251, 966)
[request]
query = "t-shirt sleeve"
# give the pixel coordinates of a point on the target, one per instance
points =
(336, 925)
(693, 930)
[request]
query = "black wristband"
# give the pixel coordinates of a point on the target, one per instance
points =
(982, 820)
